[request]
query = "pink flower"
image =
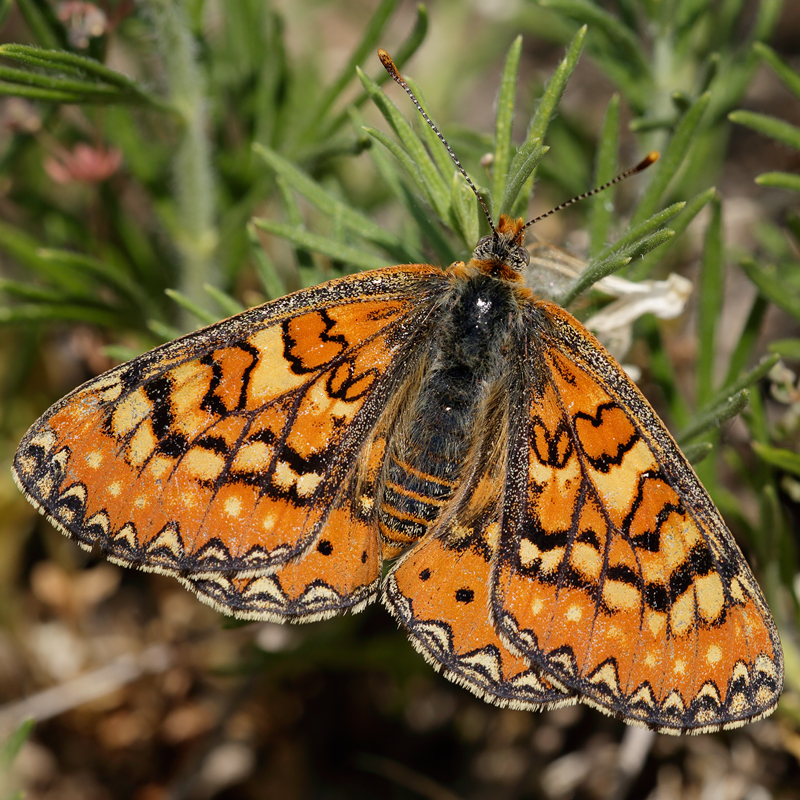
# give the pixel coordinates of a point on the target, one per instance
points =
(83, 21)
(85, 164)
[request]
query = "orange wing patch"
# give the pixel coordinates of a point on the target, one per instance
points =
(631, 591)
(341, 571)
(441, 595)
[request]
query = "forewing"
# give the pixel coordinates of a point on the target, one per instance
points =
(226, 450)
(440, 591)
(617, 574)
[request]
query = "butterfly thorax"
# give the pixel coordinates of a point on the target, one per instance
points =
(465, 365)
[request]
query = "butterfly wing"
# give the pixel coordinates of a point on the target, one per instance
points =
(228, 453)
(341, 570)
(616, 574)
(440, 590)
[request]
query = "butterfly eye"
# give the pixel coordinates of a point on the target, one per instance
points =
(518, 258)
(485, 248)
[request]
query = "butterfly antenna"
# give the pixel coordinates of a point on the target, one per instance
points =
(649, 159)
(388, 64)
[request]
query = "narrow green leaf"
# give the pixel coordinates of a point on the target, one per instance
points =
(386, 166)
(748, 339)
(5, 8)
(662, 371)
(405, 160)
(431, 231)
(270, 277)
(546, 108)
(307, 272)
(403, 54)
(781, 68)
(230, 306)
(779, 180)
(772, 287)
(202, 315)
(365, 47)
(641, 248)
(778, 457)
(525, 161)
(34, 93)
(786, 348)
(465, 208)
(768, 12)
(671, 160)
(10, 747)
(711, 68)
(425, 173)
(322, 244)
(711, 288)
(29, 56)
(26, 291)
(40, 26)
(715, 415)
(59, 59)
(164, 332)
(693, 207)
(639, 231)
(328, 203)
(647, 124)
(602, 207)
(25, 250)
(434, 145)
(697, 452)
(614, 262)
(624, 42)
(745, 381)
(120, 353)
(388, 170)
(769, 126)
(440, 207)
(69, 85)
(60, 312)
(681, 100)
(504, 121)
(94, 269)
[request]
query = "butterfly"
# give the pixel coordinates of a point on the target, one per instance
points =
(547, 541)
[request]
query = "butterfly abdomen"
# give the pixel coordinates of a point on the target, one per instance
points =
(433, 440)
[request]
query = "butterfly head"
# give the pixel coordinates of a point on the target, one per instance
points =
(502, 254)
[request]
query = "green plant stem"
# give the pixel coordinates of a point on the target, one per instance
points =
(196, 234)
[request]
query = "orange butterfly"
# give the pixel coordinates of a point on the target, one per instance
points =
(554, 544)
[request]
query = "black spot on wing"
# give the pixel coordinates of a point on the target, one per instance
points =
(465, 595)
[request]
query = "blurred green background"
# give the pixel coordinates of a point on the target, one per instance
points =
(163, 164)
